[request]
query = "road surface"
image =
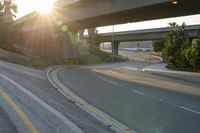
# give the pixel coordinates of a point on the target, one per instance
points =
(35, 81)
(6, 125)
(144, 102)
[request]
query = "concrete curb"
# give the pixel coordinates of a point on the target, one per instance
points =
(175, 76)
(93, 111)
(51, 116)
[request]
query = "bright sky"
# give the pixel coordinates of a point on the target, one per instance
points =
(27, 6)
(189, 20)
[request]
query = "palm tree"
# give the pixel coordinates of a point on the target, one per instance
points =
(8, 10)
(8, 31)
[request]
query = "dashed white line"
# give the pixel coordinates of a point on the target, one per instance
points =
(144, 94)
(139, 92)
(114, 83)
(185, 108)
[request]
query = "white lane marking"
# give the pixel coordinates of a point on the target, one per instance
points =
(95, 112)
(185, 108)
(112, 82)
(139, 92)
(130, 68)
(23, 70)
(147, 95)
(99, 76)
(64, 123)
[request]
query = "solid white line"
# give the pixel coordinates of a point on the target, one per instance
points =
(23, 70)
(185, 108)
(63, 122)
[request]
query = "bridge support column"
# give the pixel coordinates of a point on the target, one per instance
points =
(81, 34)
(70, 49)
(91, 34)
(115, 45)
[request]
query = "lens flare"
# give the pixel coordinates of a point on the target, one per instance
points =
(45, 6)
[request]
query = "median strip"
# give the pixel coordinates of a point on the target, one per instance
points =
(21, 114)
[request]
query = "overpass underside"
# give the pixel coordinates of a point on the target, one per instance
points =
(89, 13)
(147, 12)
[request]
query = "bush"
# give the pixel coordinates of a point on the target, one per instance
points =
(177, 40)
(97, 56)
(158, 45)
(179, 51)
(195, 54)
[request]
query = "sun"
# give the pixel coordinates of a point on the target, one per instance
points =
(44, 6)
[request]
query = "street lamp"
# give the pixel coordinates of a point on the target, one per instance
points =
(112, 41)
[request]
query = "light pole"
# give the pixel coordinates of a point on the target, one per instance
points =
(112, 44)
(150, 57)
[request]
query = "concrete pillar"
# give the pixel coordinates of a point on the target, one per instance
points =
(70, 48)
(81, 33)
(115, 45)
(91, 34)
(66, 48)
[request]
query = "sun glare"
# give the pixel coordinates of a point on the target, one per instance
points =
(27, 6)
(44, 6)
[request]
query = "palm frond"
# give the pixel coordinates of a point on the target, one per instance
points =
(1, 7)
(14, 8)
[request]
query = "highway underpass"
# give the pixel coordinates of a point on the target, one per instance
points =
(80, 14)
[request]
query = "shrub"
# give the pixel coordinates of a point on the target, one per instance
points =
(158, 45)
(177, 40)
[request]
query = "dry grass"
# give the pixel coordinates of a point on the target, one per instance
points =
(27, 60)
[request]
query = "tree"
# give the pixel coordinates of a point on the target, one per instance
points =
(94, 37)
(176, 43)
(194, 54)
(8, 31)
(158, 45)
(8, 10)
(91, 34)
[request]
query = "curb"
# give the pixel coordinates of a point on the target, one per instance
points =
(51, 116)
(93, 111)
(174, 76)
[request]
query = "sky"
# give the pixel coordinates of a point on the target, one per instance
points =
(27, 6)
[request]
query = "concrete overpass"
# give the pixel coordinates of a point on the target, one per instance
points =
(143, 35)
(81, 14)
(87, 13)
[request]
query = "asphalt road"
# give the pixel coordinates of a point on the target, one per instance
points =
(144, 102)
(6, 125)
(35, 81)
